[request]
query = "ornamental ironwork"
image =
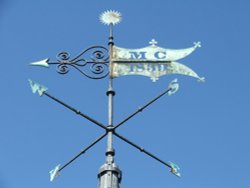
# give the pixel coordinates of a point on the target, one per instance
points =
(98, 62)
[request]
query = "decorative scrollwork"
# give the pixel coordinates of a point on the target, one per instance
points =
(91, 62)
(62, 68)
(63, 56)
(97, 55)
(98, 68)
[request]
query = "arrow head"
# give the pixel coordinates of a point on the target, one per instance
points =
(42, 63)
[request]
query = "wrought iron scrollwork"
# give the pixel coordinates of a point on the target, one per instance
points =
(91, 62)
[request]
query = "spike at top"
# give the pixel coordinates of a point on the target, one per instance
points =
(153, 42)
(110, 17)
(197, 44)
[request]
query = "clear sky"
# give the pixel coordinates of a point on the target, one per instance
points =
(204, 127)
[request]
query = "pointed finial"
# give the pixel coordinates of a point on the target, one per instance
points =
(201, 79)
(110, 17)
(153, 42)
(197, 44)
(154, 78)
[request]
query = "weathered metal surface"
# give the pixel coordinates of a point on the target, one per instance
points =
(109, 176)
(151, 61)
(151, 53)
(37, 88)
(152, 70)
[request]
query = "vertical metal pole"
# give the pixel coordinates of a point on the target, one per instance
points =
(110, 94)
(109, 174)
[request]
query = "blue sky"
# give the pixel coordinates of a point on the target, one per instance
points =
(204, 127)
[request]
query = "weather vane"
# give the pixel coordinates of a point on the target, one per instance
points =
(98, 62)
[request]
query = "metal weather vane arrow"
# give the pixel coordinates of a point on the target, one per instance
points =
(97, 62)
(42, 90)
(94, 67)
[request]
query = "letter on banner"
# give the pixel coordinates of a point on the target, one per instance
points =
(151, 61)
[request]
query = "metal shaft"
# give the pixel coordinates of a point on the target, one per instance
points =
(110, 93)
(109, 173)
(78, 112)
(142, 108)
(142, 150)
(82, 152)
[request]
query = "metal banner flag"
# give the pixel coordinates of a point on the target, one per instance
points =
(151, 61)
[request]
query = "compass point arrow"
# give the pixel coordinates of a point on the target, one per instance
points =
(54, 173)
(35, 87)
(173, 86)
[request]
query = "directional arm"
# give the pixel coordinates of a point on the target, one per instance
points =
(172, 88)
(55, 172)
(173, 168)
(41, 90)
(92, 62)
(142, 149)
(76, 111)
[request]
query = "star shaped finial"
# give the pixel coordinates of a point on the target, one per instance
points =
(110, 17)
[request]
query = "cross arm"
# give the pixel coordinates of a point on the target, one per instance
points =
(78, 112)
(55, 172)
(173, 168)
(42, 90)
(172, 88)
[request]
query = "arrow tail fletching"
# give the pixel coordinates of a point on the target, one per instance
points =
(54, 173)
(35, 87)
